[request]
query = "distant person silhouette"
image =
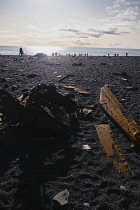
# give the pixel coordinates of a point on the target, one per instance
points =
(21, 51)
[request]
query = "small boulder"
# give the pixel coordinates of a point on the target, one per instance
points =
(77, 64)
(3, 80)
(41, 55)
(32, 75)
(103, 64)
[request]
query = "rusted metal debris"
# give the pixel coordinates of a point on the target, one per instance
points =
(78, 90)
(112, 149)
(11, 107)
(42, 107)
(116, 111)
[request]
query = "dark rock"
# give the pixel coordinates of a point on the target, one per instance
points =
(5, 86)
(32, 76)
(103, 64)
(41, 55)
(132, 88)
(3, 80)
(124, 74)
(14, 87)
(77, 64)
(24, 90)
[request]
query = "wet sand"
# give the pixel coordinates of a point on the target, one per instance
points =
(32, 172)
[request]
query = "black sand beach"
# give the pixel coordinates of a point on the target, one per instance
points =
(33, 171)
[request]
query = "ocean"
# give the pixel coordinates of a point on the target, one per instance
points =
(32, 50)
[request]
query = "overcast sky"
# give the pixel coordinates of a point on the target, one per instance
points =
(71, 23)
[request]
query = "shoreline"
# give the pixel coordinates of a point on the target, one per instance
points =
(32, 50)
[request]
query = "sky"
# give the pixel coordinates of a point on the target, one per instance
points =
(70, 23)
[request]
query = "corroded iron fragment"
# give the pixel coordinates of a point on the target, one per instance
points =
(42, 107)
(116, 111)
(112, 149)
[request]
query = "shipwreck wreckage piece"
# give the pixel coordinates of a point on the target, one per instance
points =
(112, 149)
(11, 107)
(116, 111)
(42, 107)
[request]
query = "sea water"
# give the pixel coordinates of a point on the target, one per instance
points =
(32, 50)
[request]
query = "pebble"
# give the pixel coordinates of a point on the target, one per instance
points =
(3, 80)
(5, 86)
(86, 147)
(62, 197)
(86, 205)
(14, 87)
(122, 188)
(32, 76)
(103, 64)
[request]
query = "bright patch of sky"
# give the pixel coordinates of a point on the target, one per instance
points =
(89, 23)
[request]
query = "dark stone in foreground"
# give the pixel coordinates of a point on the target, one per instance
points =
(32, 76)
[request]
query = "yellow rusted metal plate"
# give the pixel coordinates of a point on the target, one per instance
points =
(113, 107)
(78, 90)
(112, 149)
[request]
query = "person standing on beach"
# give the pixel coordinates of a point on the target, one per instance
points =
(21, 51)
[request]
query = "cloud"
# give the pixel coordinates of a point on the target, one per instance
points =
(5, 32)
(91, 32)
(115, 44)
(70, 30)
(128, 13)
(84, 37)
(119, 3)
(125, 9)
(18, 37)
(34, 28)
(123, 15)
(79, 42)
(111, 32)
(122, 18)
(108, 31)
